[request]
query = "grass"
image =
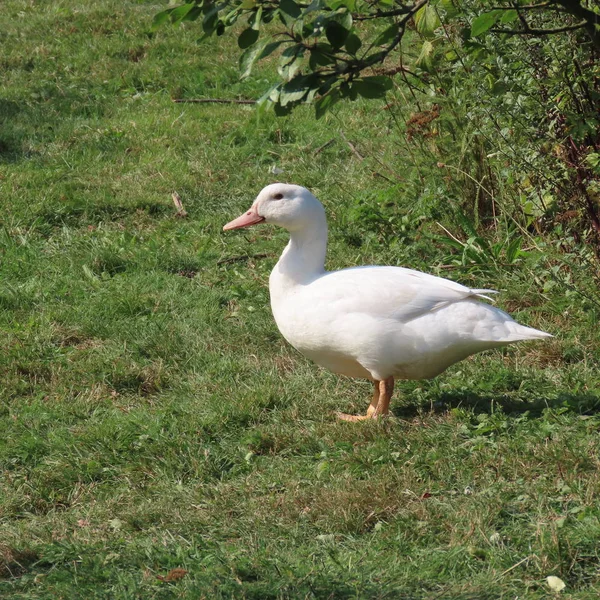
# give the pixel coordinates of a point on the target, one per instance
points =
(158, 437)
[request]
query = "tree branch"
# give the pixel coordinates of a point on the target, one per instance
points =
(212, 101)
(590, 18)
(524, 6)
(404, 10)
(355, 67)
(529, 31)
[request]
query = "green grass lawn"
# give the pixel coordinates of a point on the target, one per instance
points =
(159, 439)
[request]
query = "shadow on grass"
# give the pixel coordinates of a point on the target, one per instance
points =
(35, 119)
(12, 149)
(14, 562)
(583, 404)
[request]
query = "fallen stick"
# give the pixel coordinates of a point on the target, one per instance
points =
(325, 145)
(352, 147)
(212, 101)
(240, 258)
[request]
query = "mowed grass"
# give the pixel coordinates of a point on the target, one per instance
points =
(158, 437)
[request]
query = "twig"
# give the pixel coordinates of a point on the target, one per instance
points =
(325, 145)
(523, 6)
(393, 71)
(352, 147)
(378, 174)
(355, 67)
(590, 18)
(442, 165)
(212, 101)
(515, 566)
(450, 235)
(404, 10)
(444, 590)
(530, 31)
(473, 265)
(181, 212)
(240, 258)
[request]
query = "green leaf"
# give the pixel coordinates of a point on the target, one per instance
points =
(160, 19)
(344, 18)
(270, 48)
(288, 67)
(451, 55)
(308, 30)
(349, 4)
(380, 80)
(484, 22)
(270, 96)
(293, 91)
(283, 110)
(387, 35)
(509, 16)
(348, 92)
(323, 468)
(247, 38)
(424, 60)
(179, 13)
(256, 19)
(319, 59)
(193, 14)
(336, 34)
(290, 54)
(211, 19)
(325, 103)
(427, 20)
(310, 96)
(298, 89)
(314, 6)
(290, 8)
(375, 57)
(353, 44)
(499, 88)
(231, 17)
(450, 8)
(372, 87)
(248, 58)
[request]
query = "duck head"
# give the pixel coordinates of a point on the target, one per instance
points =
(289, 206)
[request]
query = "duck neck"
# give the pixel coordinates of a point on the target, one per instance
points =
(304, 257)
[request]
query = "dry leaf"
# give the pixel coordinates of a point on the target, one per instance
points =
(173, 575)
(181, 212)
(556, 584)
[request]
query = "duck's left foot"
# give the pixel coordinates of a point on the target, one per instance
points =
(355, 418)
(351, 418)
(379, 406)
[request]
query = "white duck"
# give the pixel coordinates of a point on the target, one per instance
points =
(380, 323)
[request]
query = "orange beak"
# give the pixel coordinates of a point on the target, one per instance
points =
(250, 218)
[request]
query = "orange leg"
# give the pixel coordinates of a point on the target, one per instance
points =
(386, 389)
(380, 404)
(373, 406)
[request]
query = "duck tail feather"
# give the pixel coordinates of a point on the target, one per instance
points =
(482, 294)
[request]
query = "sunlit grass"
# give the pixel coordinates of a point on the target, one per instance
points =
(153, 419)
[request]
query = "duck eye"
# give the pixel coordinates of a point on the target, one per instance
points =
(277, 196)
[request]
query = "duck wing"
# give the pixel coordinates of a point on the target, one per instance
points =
(389, 292)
